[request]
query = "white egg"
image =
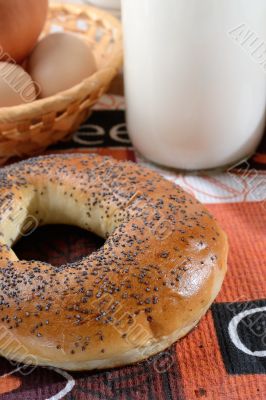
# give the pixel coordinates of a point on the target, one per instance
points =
(16, 86)
(59, 62)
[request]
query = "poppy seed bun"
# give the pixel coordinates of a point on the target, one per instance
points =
(161, 267)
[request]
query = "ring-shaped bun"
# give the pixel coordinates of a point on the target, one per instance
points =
(162, 264)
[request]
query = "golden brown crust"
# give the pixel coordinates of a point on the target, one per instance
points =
(159, 270)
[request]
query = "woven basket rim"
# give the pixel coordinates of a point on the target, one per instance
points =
(61, 100)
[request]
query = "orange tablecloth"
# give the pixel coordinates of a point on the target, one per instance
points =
(212, 362)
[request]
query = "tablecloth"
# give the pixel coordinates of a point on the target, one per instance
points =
(224, 358)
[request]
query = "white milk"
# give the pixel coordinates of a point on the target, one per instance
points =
(195, 83)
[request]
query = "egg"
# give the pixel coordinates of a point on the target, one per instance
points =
(59, 62)
(21, 22)
(16, 86)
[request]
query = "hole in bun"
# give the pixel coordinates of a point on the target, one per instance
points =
(56, 244)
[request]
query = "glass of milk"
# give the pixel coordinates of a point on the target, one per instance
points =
(195, 77)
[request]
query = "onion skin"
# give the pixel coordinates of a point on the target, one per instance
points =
(21, 22)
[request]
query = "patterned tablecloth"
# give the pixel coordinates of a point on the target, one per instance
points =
(225, 356)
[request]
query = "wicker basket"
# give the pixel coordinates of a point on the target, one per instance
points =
(29, 128)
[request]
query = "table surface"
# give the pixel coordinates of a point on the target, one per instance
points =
(208, 363)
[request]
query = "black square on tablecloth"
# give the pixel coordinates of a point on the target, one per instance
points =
(241, 331)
